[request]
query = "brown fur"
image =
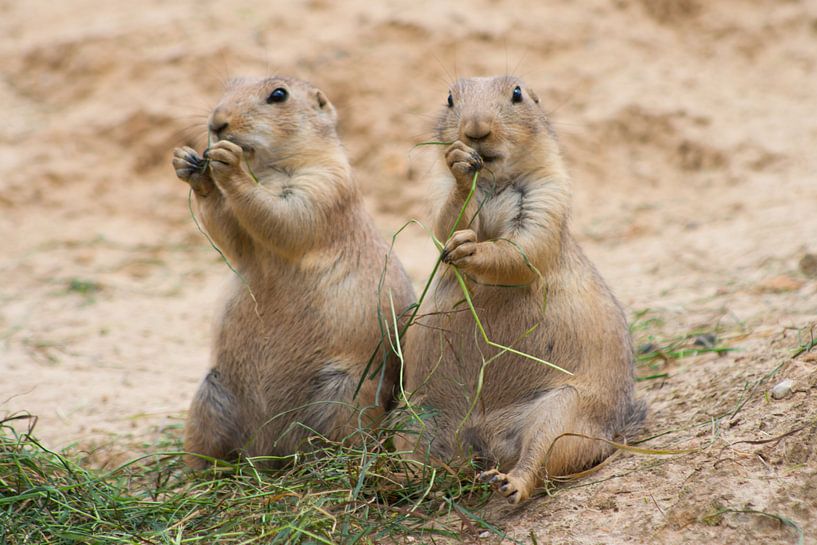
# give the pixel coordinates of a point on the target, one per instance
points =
(287, 367)
(521, 206)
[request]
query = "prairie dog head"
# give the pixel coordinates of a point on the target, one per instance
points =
(276, 120)
(501, 118)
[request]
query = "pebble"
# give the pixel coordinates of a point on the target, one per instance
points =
(647, 348)
(782, 389)
(707, 340)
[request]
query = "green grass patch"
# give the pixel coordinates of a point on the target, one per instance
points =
(654, 351)
(83, 287)
(87, 289)
(356, 491)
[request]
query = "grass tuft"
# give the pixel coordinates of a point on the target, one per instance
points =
(83, 287)
(355, 491)
(654, 353)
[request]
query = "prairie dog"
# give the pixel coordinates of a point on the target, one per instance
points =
(523, 269)
(275, 193)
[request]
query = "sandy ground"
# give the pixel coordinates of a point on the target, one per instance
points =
(689, 128)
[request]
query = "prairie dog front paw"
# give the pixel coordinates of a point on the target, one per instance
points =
(463, 161)
(226, 160)
(192, 168)
(461, 249)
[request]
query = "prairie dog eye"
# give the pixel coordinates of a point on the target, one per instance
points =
(450, 100)
(517, 94)
(278, 95)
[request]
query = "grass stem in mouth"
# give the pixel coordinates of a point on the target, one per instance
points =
(431, 143)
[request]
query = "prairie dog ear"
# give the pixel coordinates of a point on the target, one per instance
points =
(322, 103)
(533, 96)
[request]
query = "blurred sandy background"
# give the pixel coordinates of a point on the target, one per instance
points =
(690, 129)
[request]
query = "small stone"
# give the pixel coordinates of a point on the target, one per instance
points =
(707, 340)
(734, 423)
(647, 348)
(483, 535)
(782, 389)
(808, 265)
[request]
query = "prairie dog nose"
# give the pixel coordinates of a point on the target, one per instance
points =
(218, 122)
(477, 128)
